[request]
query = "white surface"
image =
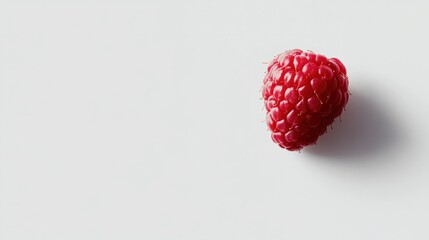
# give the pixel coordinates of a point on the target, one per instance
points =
(142, 120)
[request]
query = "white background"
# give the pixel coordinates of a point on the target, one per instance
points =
(143, 120)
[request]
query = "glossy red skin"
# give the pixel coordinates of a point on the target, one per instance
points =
(303, 93)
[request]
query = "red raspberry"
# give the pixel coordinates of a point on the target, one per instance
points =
(303, 93)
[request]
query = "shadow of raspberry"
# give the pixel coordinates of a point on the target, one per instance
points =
(366, 130)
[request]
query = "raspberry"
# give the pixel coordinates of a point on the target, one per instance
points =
(303, 93)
